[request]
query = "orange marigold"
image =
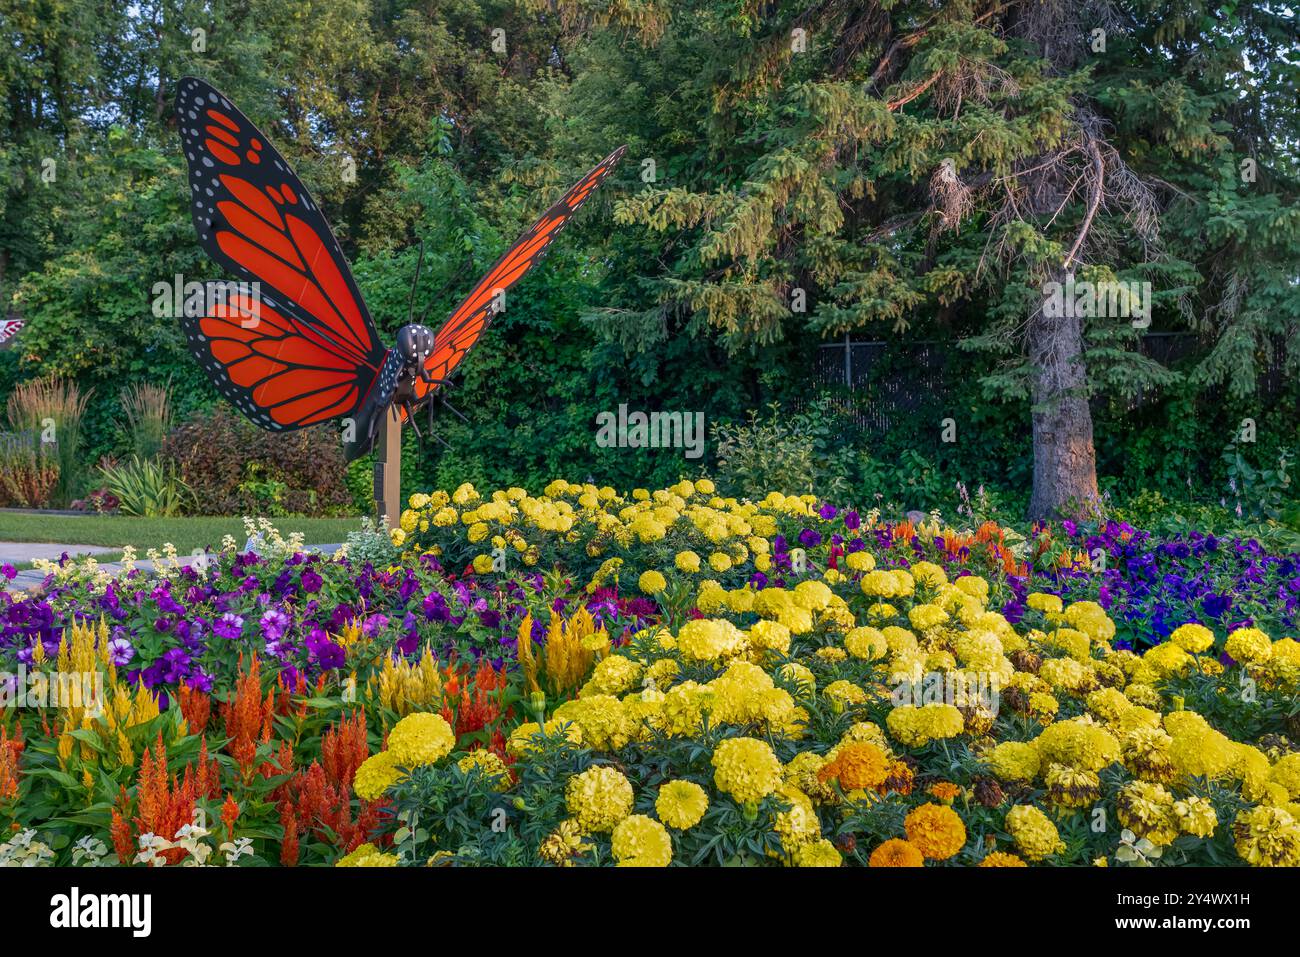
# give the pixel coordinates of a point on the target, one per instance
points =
(900, 778)
(896, 853)
(945, 791)
(1001, 859)
(936, 830)
(859, 764)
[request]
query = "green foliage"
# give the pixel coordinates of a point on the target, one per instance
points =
(235, 468)
(823, 172)
(151, 489)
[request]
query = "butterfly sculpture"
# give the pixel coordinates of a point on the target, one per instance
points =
(9, 328)
(304, 349)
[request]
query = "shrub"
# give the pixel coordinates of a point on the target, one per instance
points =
(148, 488)
(235, 468)
(29, 473)
(148, 411)
(52, 408)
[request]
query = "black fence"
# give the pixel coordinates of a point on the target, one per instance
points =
(883, 384)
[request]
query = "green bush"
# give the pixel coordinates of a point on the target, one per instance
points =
(151, 489)
(235, 468)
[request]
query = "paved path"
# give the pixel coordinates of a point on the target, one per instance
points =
(19, 553)
(15, 552)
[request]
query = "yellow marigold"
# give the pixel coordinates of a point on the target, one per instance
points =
(1193, 638)
(652, 582)
(1287, 773)
(376, 775)
(1001, 859)
(1078, 744)
(935, 830)
(640, 841)
(489, 764)
(367, 855)
(799, 675)
(720, 561)
(708, 639)
(605, 723)
(896, 852)
(1147, 809)
(746, 769)
(925, 617)
(928, 573)
(975, 586)
(1196, 816)
(820, 853)
(858, 764)
(879, 584)
(420, 738)
(1014, 761)
(1267, 837)
(798, 824)
(598, 798)
(915, 726)
(613, 674)
(1034, 834)
(860, 561)
(681, 804)
(661, 673)
(525, 738)
(866, 643)
(1249, 645)
(1168, 659)
(1048, 604)
(688, 562)
(770, 636)
(845, 692)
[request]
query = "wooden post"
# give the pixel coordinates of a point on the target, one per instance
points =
(388, 469)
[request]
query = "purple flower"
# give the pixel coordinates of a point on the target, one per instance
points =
(229, 626)
(274, 624)
(827, 511)
(810, 539)
(8, 571)
(121, 651)
(311, 581)
(852, 521)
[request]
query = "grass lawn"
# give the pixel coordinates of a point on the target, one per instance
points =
(186, 534)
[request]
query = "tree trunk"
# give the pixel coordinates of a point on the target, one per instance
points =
(1065, 463)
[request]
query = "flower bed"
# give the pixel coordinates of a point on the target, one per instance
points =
(583, 677)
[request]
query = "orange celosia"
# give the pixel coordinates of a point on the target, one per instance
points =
(230, 815)
(248, 717)
(343, 748)
(196, 708)
(10, 749)
(159, 808)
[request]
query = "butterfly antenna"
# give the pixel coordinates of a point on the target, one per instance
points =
(469, 261)
(410, 301)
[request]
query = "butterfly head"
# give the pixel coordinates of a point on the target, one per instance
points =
(415, 343)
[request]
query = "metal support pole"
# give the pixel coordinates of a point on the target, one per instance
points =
(388, 469)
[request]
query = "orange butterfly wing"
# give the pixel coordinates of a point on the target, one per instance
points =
(307, 347)
(471, 318)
